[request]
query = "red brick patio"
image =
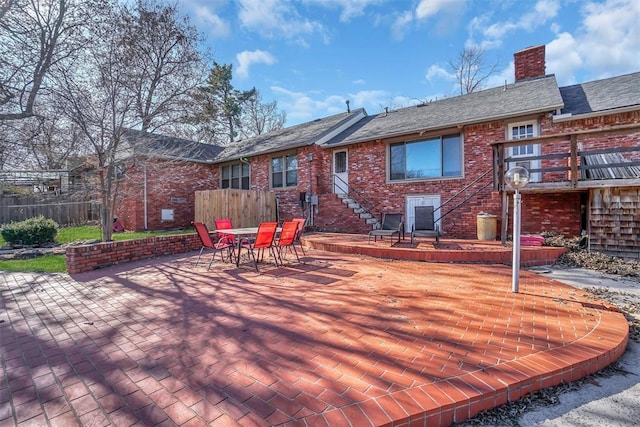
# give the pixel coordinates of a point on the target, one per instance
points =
(338, 340)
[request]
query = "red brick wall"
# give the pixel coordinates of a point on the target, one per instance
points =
(529, 62)
(559, 213)
(288, 198)
(91, 257)
(170, 185)
(335, 216)
(367, 176)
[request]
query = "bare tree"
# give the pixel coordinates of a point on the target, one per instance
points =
(95, 97)
(258, 117)
(471, 69)
(5, 5)
(36, 36)
(162, 59)
(113, 91)
(49, 142)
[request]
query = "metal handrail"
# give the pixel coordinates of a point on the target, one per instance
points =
(462, 190)
(464, 201)
(370, 207)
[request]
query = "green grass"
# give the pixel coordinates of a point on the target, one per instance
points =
(74, 234)
(57, 263)
(43, 264)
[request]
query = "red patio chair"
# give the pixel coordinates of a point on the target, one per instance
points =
(264, 240)
(287, 239)
(300, 222)
(225, 224)
(207, 243)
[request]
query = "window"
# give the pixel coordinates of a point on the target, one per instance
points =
(235, 176)
(284, 171)
(522, 131)
(430, 158)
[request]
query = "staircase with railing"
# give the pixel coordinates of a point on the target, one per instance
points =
(355, 200)
(371, 214)
(468, 197)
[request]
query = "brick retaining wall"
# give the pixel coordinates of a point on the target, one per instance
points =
(91, 257)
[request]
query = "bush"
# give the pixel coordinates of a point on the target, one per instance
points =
(33, 232)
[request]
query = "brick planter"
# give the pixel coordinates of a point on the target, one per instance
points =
(91, 257)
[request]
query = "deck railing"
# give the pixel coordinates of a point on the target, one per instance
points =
(564, 162)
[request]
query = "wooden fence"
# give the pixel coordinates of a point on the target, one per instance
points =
(246, 208)
(63, 209)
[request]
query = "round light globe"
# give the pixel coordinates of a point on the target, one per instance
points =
(517, 177)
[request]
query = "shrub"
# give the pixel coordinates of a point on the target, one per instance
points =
(33, 231)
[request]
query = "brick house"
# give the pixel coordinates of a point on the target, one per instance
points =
(343, 171)
(161, 175)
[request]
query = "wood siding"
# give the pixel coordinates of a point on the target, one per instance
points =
(615, 222)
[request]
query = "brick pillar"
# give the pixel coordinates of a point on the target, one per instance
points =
(529, 62)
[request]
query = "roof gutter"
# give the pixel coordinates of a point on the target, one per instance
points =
(568, 117)
(459, 125)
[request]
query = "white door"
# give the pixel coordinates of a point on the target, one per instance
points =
(340, 172)
(422, 200)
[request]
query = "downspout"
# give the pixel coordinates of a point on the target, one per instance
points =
(145, 196)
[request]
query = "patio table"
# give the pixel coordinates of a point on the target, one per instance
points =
(240, 233)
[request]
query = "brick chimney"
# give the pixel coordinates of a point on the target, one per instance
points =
(529, 63)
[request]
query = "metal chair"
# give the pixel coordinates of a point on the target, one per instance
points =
(391, 224)
(300, 222)
(207, 243)
(225, 224)
(287, 239)
(424, 224)
(264, 240)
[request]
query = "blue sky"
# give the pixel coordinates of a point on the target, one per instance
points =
(312, 55)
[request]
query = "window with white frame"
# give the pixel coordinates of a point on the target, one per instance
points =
(435, 157)
(524, 130)
(284, 171)
(235, 176)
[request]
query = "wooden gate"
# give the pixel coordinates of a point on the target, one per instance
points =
(246, 208)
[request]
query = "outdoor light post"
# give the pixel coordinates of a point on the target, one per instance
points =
(516, 177)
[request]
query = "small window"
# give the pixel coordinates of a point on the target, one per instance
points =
(525, 130)
(284, 171)
(426, 159)
(235, 176)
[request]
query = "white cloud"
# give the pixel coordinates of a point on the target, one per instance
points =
(562, 58)
(277, 18)
(369, 99)
(606, 44)
(350, 8)
(543, 11)
(399, 25)
(358, 82)
(610, 43)
(304, 106)
(429, 8)
(506, 75)
(217, 27)
(436, 72)
(246, 59)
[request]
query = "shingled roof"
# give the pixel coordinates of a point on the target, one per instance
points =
(315, 132)
(601, 95)
(169, 147)
(517, 99)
